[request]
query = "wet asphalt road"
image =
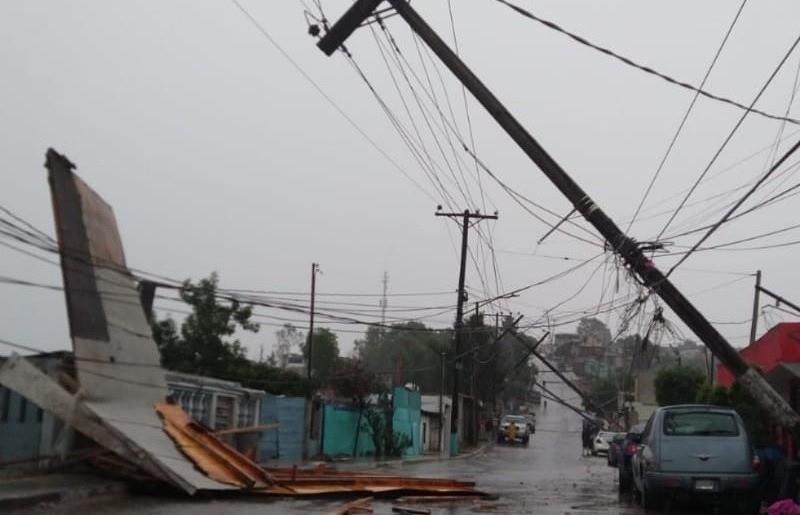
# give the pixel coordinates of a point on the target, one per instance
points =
(548, 477)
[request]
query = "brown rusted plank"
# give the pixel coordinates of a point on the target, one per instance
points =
(359, 505)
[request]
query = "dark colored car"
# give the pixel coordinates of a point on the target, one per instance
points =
(614, 449)
(625, 452)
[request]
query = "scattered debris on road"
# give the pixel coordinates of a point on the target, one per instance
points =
(363, 505)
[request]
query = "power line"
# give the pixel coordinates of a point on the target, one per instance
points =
(646, 69)
(730, 212)
(729, 137)
(328, 98)
(686, 116)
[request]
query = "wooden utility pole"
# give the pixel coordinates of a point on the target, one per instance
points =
(309, 411)
(310, 340)
(630, 251)
(756, 303)
(441, 405)
(465, 217)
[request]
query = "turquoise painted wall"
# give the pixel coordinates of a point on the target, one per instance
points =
(339, 432)
(407, 418)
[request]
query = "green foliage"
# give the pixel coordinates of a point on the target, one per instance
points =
(756, 420)
(678, 385)
(324, 356)
(411, 346)
(603, 392)
(355, 383)
(205, 344)
(592, 327)
(399, 443)
(713, 394)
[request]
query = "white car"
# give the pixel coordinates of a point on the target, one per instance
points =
(601, 442)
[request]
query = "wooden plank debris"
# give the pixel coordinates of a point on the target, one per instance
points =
(363, 505)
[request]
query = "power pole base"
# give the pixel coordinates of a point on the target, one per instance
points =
(453, 444)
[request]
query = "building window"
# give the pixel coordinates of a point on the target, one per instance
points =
(23, 407)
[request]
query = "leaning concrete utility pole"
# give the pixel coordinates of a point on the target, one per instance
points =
(466, 216)
(626, 247)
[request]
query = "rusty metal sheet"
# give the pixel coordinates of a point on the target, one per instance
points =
(323, 480)
(117, 362)
(214, 457)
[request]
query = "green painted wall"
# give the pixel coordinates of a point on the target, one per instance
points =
(407, 418)
(340, 422)
(339, 432)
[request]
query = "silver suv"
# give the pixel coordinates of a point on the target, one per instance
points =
(697, 450)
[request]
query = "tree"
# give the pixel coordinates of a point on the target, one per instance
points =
(205, 344)
(603, 392)
(678, 385)
(756, 420)
(288, 338)
(411, 348)
(504, 368)
(324, 356)
(592, 327)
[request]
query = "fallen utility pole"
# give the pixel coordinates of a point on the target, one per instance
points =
(532, 350)
(556, 398)
(617, 240)
(466, 216)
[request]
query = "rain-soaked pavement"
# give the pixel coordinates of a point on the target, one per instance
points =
(548, 477)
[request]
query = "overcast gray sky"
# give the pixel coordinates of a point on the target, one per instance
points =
(217, 155)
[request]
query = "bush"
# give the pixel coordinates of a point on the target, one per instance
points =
(678, 385)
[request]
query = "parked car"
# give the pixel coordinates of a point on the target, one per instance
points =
(624, 455)
(614, 449)
(601, 442)
(698, 450)
(513, 428)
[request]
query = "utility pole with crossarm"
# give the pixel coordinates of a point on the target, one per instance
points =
(466, 218)
(630, 251)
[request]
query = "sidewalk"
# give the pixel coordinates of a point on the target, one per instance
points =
(34, 490)
(364, 464)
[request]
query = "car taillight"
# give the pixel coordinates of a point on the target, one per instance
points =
(631, 448)
(756, 463)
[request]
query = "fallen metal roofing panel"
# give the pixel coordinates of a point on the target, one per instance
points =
(117, 361)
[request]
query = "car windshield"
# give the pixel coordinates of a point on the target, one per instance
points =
(700, 423)
(514, 419)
